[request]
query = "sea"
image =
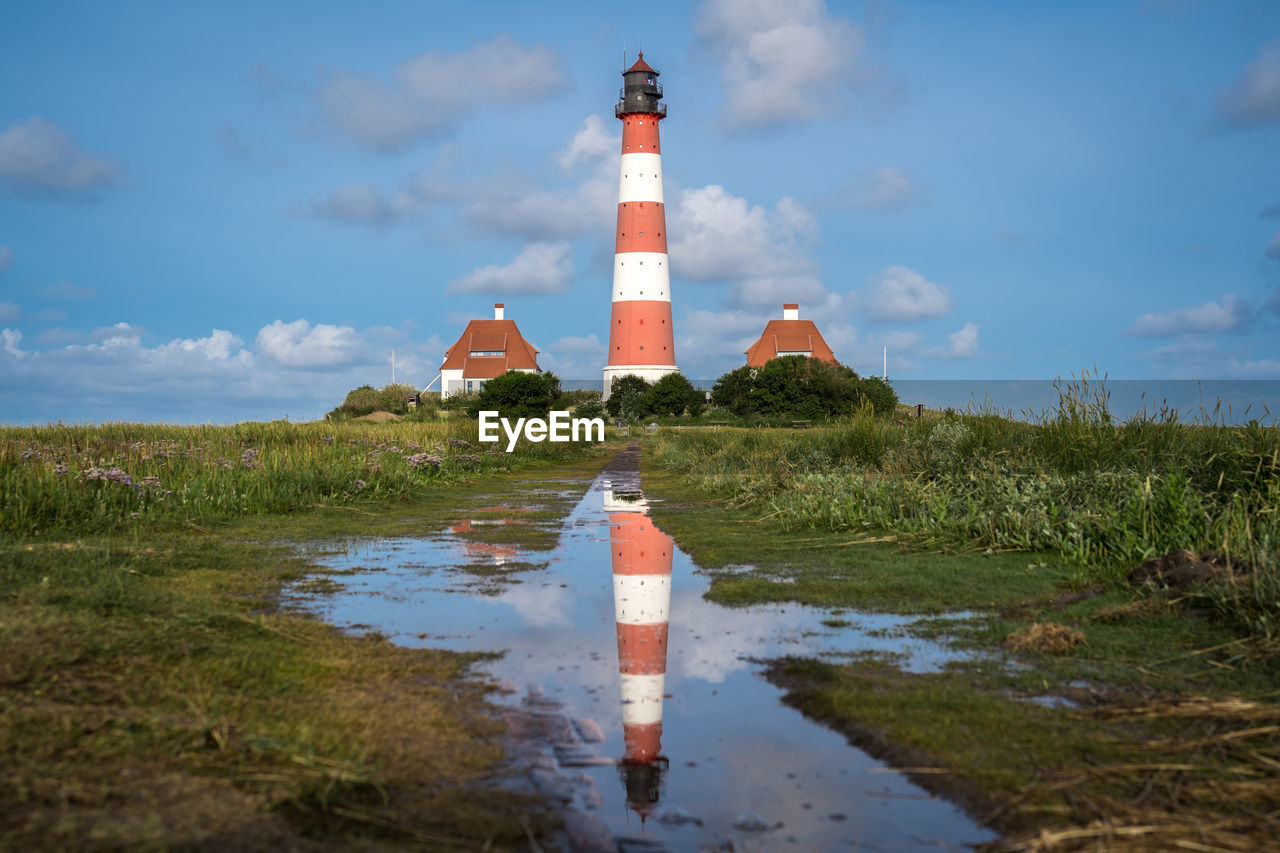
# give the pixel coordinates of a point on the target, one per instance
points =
(1221, 401)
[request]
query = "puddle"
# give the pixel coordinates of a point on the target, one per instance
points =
(676, 741)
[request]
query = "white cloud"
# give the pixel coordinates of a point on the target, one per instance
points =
(432, 90)
(887, 189)
(9, 312)
(6, 258)
(539, 268)
(195, 379)
(1273, 248)
(121, 334)
(362, 204)
(590, 143)
(781, 61)
(521, 209)
(575, 357)
(1229, 315)
(1254, 99)
(962, 343)
(903, 295)
(12, 338)
(514, 202)
(721, 237)
(39, 158)
(297, 344)
(1265, 368)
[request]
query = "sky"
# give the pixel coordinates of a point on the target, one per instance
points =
(221, 211)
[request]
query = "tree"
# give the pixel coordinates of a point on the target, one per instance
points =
(628, 397)
(800, 387)
(516, 394)
(732, 391)
(672, 394)
(589, 408)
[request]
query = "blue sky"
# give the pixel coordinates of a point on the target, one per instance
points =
(212, 212)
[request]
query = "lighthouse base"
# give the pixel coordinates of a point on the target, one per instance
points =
(648, 372)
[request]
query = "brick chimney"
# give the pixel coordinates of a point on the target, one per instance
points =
(498, 310)
(790, 311)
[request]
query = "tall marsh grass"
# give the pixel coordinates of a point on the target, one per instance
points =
(85, 479)
(1104, 495)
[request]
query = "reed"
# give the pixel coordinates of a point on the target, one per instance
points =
(85, 479)
(1104, 494)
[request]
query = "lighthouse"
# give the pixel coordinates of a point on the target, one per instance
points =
(641, 340)
(641, 557)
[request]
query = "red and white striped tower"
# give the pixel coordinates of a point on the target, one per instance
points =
(641, 558)
(641, 340)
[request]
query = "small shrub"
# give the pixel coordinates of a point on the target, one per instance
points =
(628, 398)
(515, 394)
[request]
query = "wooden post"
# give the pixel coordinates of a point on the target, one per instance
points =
(919, 411)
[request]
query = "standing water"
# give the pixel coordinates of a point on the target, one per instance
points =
(666, 732)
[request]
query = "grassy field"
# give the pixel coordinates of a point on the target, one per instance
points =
(1091, 713)
(153, 695)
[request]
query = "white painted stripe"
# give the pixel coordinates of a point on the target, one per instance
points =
(640, 178)
(612, 504)
(641, 276)
(647, 372)
(641, 599)
(642, 698)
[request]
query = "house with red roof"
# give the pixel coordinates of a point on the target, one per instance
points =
(487, 348)
(789, 336)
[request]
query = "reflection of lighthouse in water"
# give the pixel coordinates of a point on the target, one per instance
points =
(641, 557)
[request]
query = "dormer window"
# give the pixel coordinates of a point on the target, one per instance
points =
(486, 353)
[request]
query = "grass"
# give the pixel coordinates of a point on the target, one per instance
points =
(1168, 736)
(1099, 496)
(91, 479)
(152, 693)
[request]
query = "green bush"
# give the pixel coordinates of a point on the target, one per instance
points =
(800, 387)
(672, 394)
(366, 399)
(590, 408)
(572, 399)
(515, 394)
(628, 398)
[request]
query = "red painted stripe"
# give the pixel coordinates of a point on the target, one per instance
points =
(637, 547)
(642, 227)
(643, 741)
(642, 649)
(640, 135)
(640, 333)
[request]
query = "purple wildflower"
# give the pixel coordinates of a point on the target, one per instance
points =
(60, 468)
(249, 458)
(458, 442)
(421, 460)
